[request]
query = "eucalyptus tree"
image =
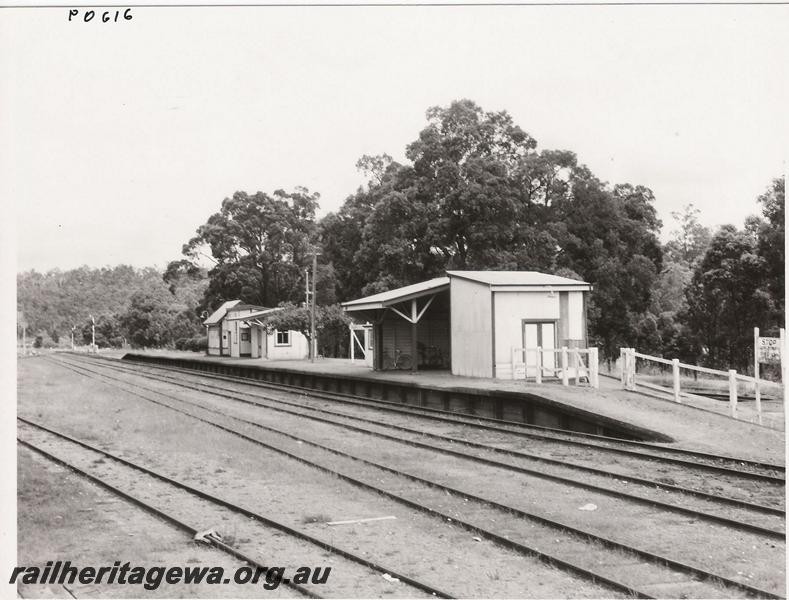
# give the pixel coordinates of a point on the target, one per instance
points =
(259, 245)
(476, 193)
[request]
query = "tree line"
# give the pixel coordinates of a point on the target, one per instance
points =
(138, 307)
(476, 192)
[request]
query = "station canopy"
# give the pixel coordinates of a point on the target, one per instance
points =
(254, 317)
(234, 306)
(403, 294)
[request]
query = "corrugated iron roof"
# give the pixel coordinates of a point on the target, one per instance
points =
(254, 315)
(408, 292)
(242, 306)
(515, 278)
(220, 312)
(432, 286)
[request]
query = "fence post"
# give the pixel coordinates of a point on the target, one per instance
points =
(626, 369)
(631, 369)
(577, 362)
(757, 392)
(565, 375)
(675, 373)
(733, 392)
(539, 365)
(594, 367)
(782, 337)
(623, 366)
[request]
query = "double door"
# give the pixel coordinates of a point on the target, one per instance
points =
(540, 334)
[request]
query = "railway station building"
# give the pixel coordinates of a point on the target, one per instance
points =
(469, 322)
(238, 330)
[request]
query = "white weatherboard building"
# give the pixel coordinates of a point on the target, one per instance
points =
(238, 330)
(472, 321)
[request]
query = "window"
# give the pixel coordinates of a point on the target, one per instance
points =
(283, 338)
(245, 336)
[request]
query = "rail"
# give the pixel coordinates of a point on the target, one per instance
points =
(574, 363)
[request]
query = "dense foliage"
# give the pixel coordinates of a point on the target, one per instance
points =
(140, 307)
(480, 195)
(476, 192)
(331, 326)
(259, 245)
(738, 284)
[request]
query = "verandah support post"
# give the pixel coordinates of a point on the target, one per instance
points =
(733, 392)
(538, 378)
(413, 335)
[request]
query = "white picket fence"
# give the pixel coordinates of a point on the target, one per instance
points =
(573, 363)
(628, 358)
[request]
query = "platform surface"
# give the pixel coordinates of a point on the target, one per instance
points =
(692, 428)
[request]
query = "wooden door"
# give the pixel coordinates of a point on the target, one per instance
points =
(540, 334)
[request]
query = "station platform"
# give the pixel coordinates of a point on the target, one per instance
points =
(609, 406)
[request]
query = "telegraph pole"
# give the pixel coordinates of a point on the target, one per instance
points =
(92, 334)
(313, 344)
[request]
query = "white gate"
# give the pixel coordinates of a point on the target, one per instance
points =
(563, 363)
(362, 342)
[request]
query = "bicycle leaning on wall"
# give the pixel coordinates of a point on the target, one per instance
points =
(401, 361)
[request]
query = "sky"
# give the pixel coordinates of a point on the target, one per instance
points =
(119, 139)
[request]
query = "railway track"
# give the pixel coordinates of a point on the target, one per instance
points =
(680, 456)
(149, 487)
(699, 577)
(449, 445)
(169, 518)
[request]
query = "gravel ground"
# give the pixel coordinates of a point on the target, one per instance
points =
(738, 555)
(745, 557)
(422, 547)
(61, 516)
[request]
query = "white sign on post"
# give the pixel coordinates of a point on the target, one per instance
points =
(769, 350)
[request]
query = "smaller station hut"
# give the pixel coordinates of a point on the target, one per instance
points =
(238, 330)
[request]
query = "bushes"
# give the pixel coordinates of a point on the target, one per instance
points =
(43, 340)
(194, 344)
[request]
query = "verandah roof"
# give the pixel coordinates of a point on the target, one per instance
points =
(220, 312)
(409, 292)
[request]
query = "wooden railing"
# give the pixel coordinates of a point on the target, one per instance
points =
(573, 363)
(628, 357)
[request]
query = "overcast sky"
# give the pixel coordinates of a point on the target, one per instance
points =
(120, 139)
